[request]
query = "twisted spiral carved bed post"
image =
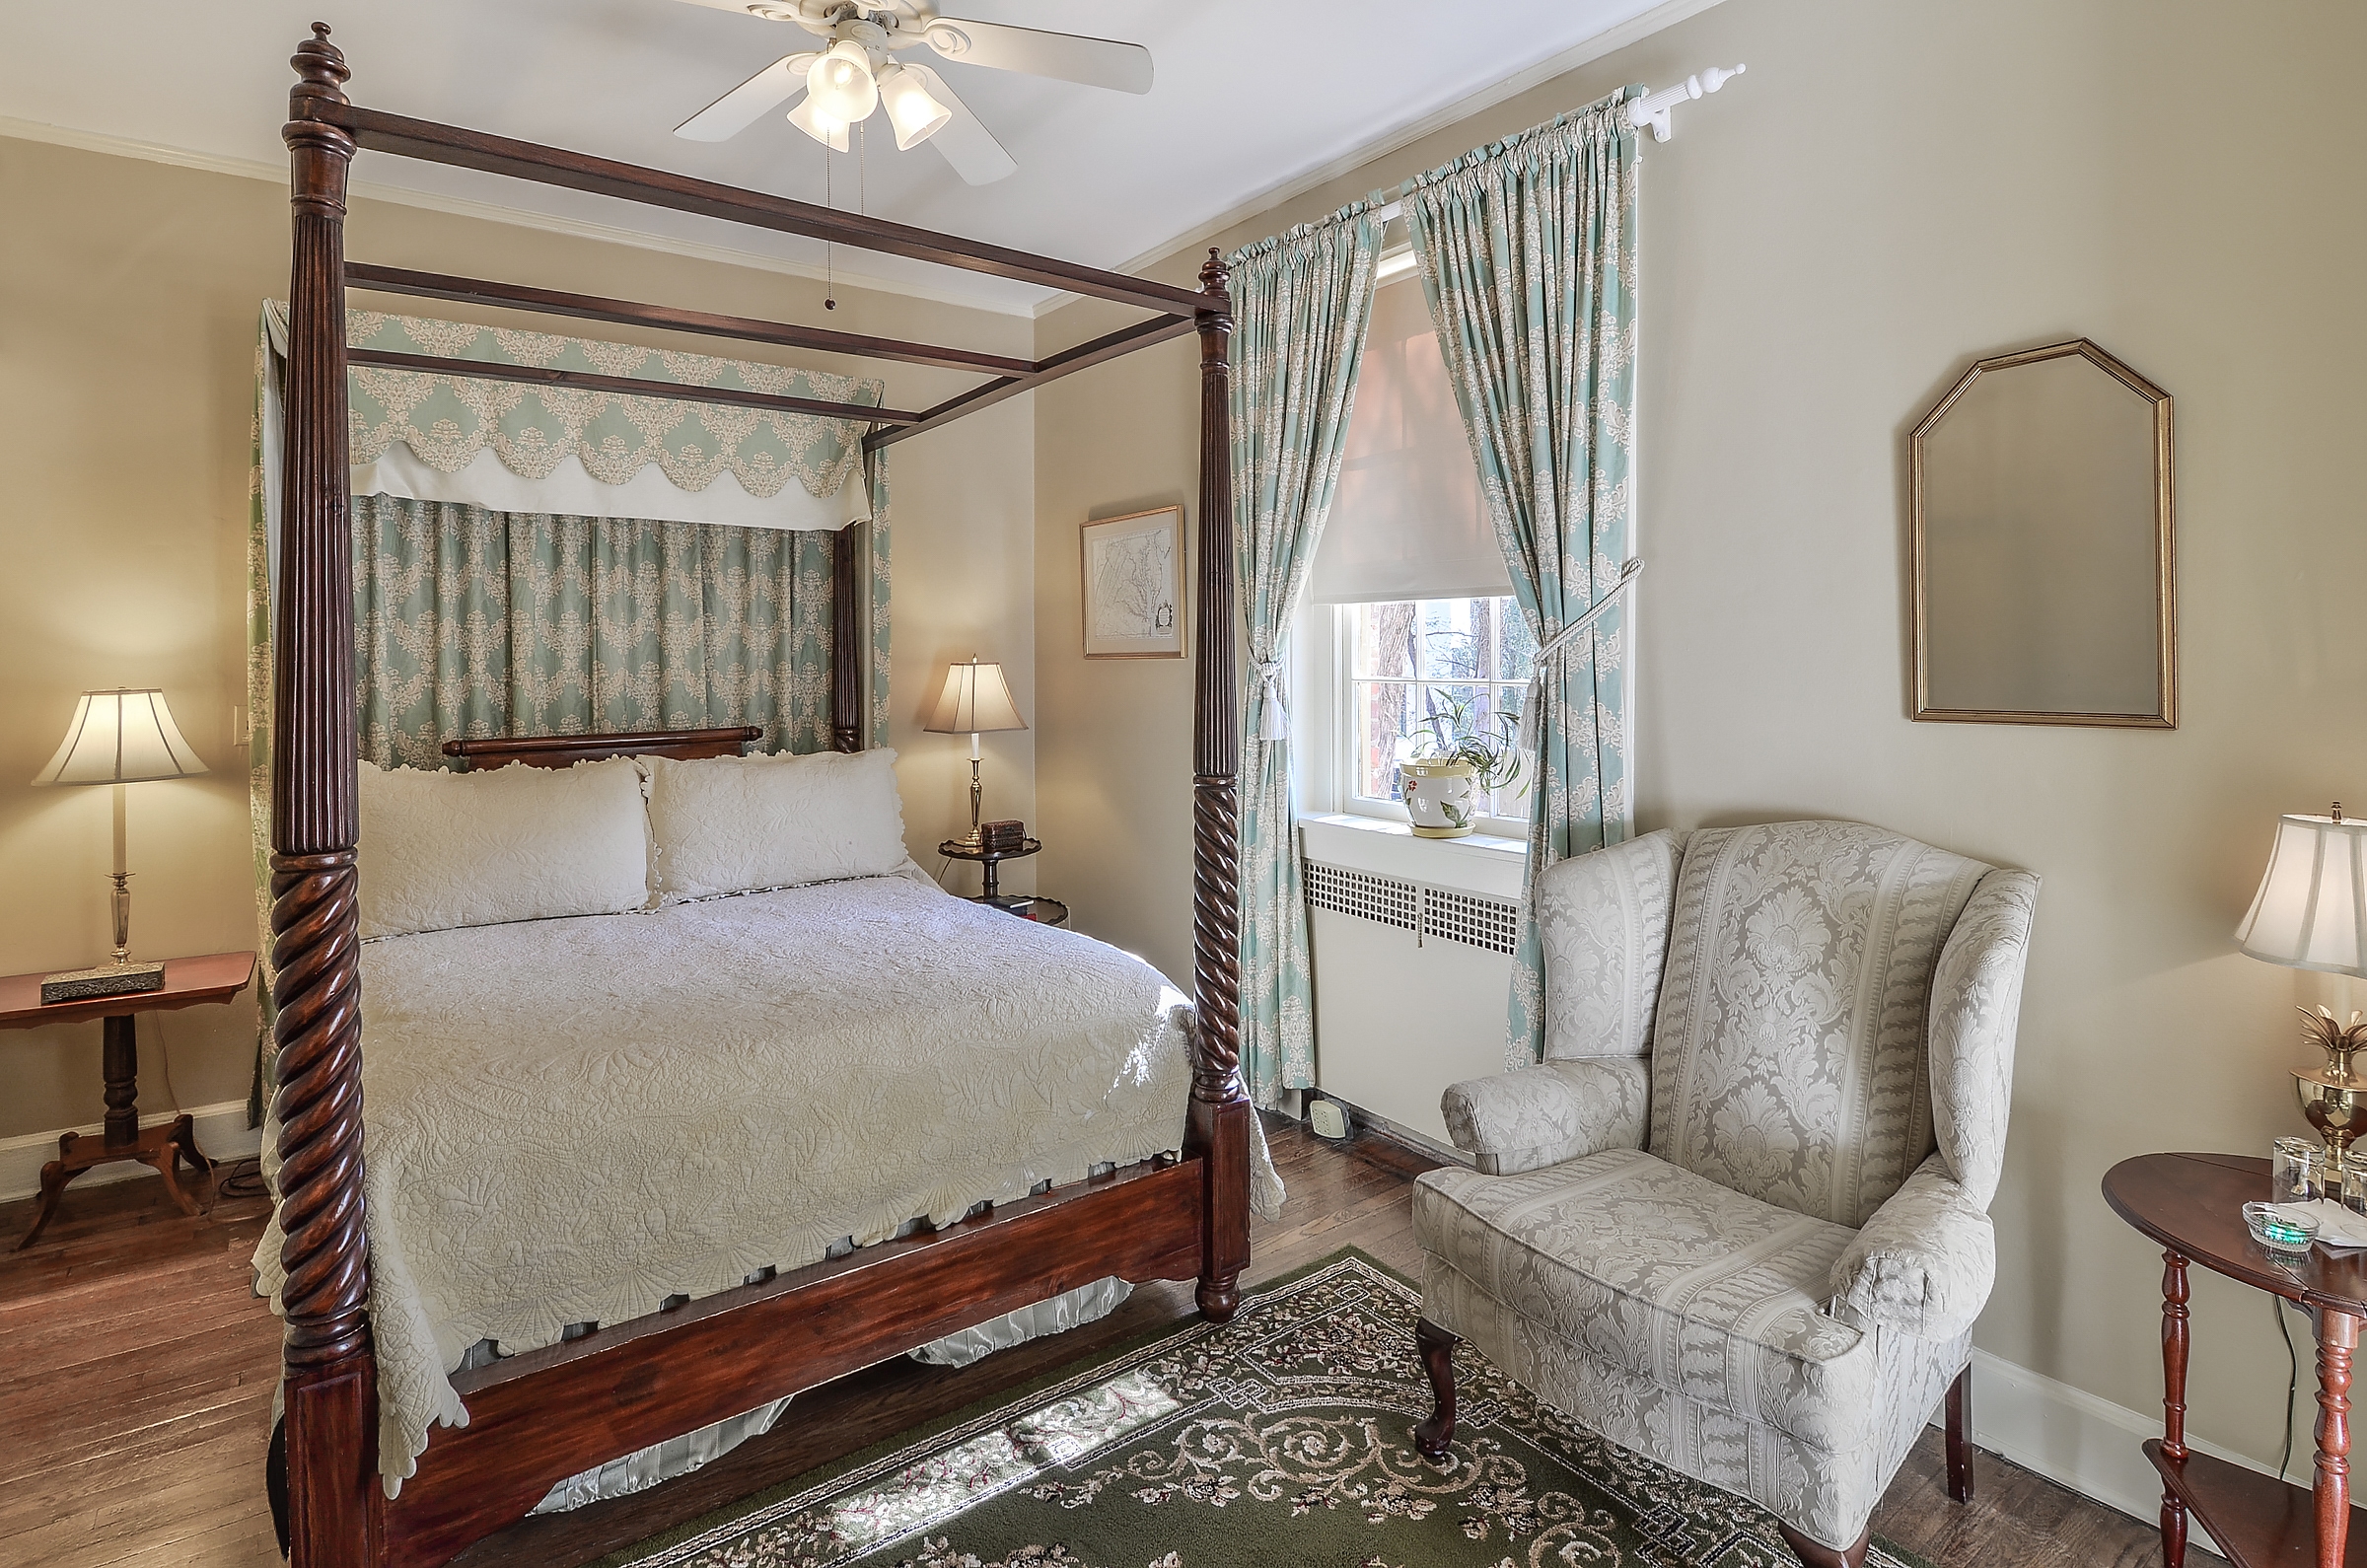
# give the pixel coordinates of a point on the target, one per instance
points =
(1220, 1109)
(330, 1397)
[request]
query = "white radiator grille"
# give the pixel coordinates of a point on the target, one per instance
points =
(1443, 913)
(1465, 917)
(1357, 892)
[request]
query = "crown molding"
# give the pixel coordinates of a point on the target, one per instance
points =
(1608, 42)
(465, 207)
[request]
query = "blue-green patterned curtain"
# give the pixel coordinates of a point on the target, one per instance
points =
(470, 622)
(1527, 259)
(1300, 304)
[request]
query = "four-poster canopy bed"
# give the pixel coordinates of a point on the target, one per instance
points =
(544, 1414)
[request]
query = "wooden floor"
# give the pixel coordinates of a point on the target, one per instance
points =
(136, 1374)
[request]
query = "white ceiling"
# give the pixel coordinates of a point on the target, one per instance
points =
(1251, 95)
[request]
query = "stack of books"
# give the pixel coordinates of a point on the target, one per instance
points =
(1003, 837)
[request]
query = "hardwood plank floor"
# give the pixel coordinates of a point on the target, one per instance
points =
(136, 1374)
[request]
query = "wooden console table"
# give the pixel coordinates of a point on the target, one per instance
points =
(188, 982)
(2192, 1204)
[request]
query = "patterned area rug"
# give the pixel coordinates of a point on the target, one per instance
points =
(1282, 1437)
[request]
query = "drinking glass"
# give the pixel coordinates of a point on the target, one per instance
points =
(2296, 1170)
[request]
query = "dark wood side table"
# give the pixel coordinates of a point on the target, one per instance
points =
(989, 860)
(188, 982)
(2192, 1204)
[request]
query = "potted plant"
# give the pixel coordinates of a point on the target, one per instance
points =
(1455, 764)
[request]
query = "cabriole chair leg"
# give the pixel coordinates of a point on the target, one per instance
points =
(1816, 1554)
(1437, 1349)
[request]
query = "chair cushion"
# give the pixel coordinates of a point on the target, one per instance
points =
(1788, 1055)
(1652, 1269)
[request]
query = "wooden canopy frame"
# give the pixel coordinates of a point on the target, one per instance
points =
(539, 1417)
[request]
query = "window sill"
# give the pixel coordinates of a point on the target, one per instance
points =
(1481, 863)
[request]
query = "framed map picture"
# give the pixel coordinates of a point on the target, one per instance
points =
(1134, 586)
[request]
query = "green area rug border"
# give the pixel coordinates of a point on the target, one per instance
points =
(1015, 1393)
(923, 1430)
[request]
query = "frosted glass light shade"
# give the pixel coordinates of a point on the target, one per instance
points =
(839, 84)
(915, 114)
(122, 736)
(2311, 912)
(975, 699)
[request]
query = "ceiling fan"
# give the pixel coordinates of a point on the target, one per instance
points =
(856, 70)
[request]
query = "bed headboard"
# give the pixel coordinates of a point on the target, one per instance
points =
(566, 751)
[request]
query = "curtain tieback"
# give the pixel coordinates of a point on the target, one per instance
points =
(1533, 701)
(1274, 725)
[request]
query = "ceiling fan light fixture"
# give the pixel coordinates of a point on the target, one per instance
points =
(839, 85)
(915, 114)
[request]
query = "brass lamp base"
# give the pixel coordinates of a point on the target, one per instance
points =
(2336, 1103)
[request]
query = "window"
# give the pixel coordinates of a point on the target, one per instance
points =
(1410, 665)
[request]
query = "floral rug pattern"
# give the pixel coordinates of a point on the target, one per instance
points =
(1284, 1436)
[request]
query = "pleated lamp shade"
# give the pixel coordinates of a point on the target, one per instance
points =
(2311, 912)
(122, 736)
(975, 699)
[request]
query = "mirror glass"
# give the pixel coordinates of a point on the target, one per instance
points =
(2041, 490)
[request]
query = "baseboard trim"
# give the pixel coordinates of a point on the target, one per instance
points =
(2073, 1437)
(222, 1134)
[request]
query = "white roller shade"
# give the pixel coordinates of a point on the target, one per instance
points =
(1406, 521)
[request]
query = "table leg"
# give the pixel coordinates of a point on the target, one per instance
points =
(2174, 1402)
(2337, 1337)
(989, 888)
(122, 1067)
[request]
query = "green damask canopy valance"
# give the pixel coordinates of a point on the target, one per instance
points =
(523, 447)
(447, 420)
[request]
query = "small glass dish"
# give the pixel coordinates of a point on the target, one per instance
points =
(2287, 1235)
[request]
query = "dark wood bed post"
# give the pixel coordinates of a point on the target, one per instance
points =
(1219, 1127)
(846, 640)
(334, 1504)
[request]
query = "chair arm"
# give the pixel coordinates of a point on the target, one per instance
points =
(1554, 1111)
(1925, 1260)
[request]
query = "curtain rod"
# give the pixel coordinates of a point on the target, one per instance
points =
(1651, 109)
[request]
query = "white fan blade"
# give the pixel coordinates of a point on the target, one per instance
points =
(965, 140)
(748, 102)
(831, 133)
(1069, 56)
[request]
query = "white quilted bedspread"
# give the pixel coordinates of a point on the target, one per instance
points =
(571, 1120)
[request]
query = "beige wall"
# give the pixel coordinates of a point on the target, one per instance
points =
(128, 295)
(1892, 192)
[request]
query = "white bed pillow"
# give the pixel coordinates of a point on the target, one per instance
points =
(741, 823)
(440, 850)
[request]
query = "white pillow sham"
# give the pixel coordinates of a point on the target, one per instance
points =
(440, 850)
(741, 823)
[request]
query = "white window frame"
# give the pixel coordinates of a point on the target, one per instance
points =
(1323, 729)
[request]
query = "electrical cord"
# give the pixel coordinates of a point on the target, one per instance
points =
(2292, 1382)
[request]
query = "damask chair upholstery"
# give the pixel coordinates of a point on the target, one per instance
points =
(1738, 1218)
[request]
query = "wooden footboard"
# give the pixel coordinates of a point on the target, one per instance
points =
(540, 1417)
(536, 1418)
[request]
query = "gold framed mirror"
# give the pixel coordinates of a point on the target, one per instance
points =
(2043, 589)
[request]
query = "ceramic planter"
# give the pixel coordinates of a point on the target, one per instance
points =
(1442, 797)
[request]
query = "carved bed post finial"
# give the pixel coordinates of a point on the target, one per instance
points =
(331, 1409)
(1219, 1128)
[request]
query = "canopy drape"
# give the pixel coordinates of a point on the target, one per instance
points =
(1301, 302)
(1527, 249)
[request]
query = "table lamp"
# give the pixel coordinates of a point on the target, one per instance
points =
(2311, 913)
(977, 699)
(122, 736)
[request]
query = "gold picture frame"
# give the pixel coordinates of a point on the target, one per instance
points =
(2050, 620)
(1131, 571)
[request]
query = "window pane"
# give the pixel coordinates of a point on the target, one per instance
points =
(1453, 643)
(1381, 738)
(1385, 638)
(1519, 646)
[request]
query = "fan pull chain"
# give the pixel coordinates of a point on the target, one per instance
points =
(830, 251)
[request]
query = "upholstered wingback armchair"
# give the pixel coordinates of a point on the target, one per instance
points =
(1738, 1219)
